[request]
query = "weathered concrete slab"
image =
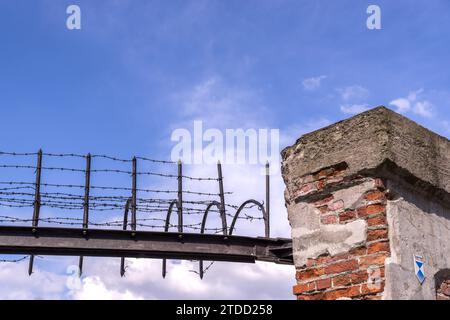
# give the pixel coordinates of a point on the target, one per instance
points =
(376, 140)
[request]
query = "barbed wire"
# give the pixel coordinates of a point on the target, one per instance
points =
(151, 209)
(32, 185)
(205, 270)
(69, 201)
(13, 260)
(2, 153)
(148, 173)
(114, 223)
(75, 155)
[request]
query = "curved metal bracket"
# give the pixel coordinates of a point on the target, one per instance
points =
(166, 229)
(260, 206)
(202, 229)
(124, 227)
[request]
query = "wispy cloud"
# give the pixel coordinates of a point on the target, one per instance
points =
(241, 281)
(311, 84)
(353, 99)
(354, 108)
(411, 103)
(353, 93)
(402, 104)
(220, 104)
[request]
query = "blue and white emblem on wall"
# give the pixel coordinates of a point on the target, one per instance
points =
(419, 269)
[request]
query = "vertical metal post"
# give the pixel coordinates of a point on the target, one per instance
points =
(134, 195)
(37, 191)
(267, 217)
(30, 265)
(37, 204)
(86, 192)
(180, 196)
(222, 198)
(124, 227)
(85, 206)
(80, 266)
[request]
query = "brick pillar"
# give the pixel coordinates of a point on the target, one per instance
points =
(364, 196)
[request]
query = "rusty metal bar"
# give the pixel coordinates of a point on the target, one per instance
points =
(202, 230)
(134, 195)
(124, 227)
(37, 204)
(37, 192)
(85, 206)
(30, 265)
(180, 196)
(145, 244)
(222, 198)
(166, 229)
(241, 207)
(86, 193)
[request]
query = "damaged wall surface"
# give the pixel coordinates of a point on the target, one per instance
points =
(365, 196)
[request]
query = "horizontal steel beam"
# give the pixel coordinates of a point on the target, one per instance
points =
(143, 244)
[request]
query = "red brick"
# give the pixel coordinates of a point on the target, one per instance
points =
(342, 281)
(342, 266)
(372, 297)
(335, 179)
(310, 263)
(375, 195)
(320, 184)
(378, 234)
(374, 260)
(370, 209)
(309, 274)
(347, 215)
(324, 173)
(376, 221)
(359, 277)
(323, 284)
(324, 259)
(358, 251)
(341, 256)
(329, 219)
(324, 200)
(317, 296)
(299, 288)
(306, 188)
(373, 288)
(324, 209)
(302, 288)
(337, 205)
(378, 247)
(445, 290)
(343, 293)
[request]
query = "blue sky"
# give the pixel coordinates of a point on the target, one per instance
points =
(137, 70)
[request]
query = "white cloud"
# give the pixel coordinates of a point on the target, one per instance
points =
(16, 284)
(353, 93)
(222, 281)
(423, 108)
(219, 104)
(313, 83)
(354, 108)
(353, 99)
(412, 96)
(403, 105)
(93, 288)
